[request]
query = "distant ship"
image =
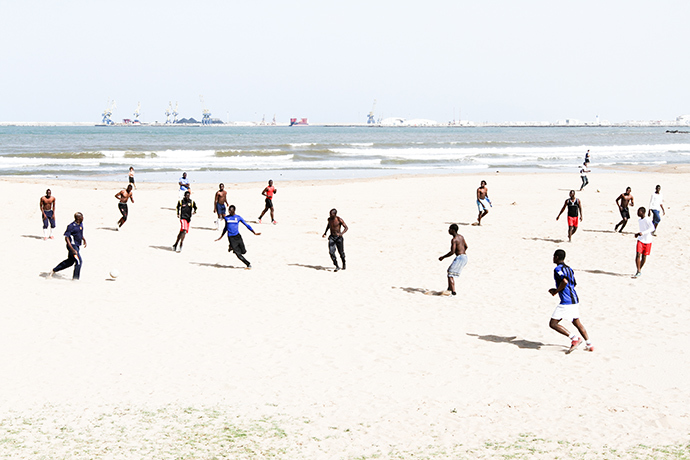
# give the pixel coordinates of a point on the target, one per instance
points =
(302, 122)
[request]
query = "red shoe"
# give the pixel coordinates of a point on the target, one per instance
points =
(589, 348)
(573, 345)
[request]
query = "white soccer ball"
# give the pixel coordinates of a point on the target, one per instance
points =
(114, 273)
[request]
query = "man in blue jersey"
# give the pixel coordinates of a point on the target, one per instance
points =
(569, 306)
(236, 245)
(74, 235)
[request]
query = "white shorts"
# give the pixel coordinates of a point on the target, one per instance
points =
(569, 312)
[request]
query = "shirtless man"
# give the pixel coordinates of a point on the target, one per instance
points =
(574, 209)
(483, 202)
(219, 203)
(268, 192)
(123, 196)
(47, 206)
(623, 201)
(335, 239)
(458, 248)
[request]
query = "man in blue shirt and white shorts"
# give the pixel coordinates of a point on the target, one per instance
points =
(569, 306)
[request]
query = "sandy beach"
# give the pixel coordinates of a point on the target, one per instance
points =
(190, 356)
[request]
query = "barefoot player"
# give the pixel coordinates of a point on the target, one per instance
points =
(219, 203)
(574, 210)
(47, 206)
(458, 248)
(335, 239)
(185, 208)
(483, 202)
(123, 196)
(235, 242)
(644, 240)
(623, 201)
(268, 192)
(569, 305)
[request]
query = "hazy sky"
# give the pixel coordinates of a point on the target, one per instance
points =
(327, 60)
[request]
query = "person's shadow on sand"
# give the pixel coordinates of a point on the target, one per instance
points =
(414, 290)
(313, 267)
(202, 264)
(518, 343)
(33, 236)
(548, 240)
(163, 248)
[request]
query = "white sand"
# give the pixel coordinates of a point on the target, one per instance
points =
(314, 364)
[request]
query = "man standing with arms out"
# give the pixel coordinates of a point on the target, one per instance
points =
(574, 209)
(184, 185)
(219, 203)
(644, 241)
(583, 175)
(74, 235)
(185, 208)
(268, 192)
(335, 239)
(656, 207)
(123, 196)
(623, 201)
(483, 202)
(47, 206)
(458, 248)
(235, 242)
(569, 305)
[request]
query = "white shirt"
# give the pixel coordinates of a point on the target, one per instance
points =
(655, 201)
(646, 228)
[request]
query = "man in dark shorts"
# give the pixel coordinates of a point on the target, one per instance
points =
(47, 206)
(268, 192)
(220, 201)
(458, 248)
(235, 242)
(74, 236)
(131, 177)
(574, 209)
(123, 196)
(623, 201)
(185, 208)
(335, 239)
(569, 307)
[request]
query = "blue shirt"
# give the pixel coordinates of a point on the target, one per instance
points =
(568, 295)
(185, 184)
(232, 224)
(75, 232)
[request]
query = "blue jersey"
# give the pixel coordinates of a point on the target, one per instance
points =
(568, 295)
(75, 232)
(232, 224)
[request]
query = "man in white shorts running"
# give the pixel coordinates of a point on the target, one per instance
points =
(569, 306)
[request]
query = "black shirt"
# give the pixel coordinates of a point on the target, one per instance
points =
(185, 207)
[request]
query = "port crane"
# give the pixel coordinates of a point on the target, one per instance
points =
(168, 111)
(370, 118)
(175, 113)
(107, 113)
(205, 113)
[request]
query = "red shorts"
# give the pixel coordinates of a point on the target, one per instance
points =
(643, 248)
(184, 225)
(572, 221)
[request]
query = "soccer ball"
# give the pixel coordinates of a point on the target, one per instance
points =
(114, 273)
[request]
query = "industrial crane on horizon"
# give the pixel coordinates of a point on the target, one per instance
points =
(107, 113)
(205, 113)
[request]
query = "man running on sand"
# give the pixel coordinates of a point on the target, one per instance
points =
(483, 202)
(583, 175)
(644, 240)
(47, 206)
(656, 207)
(335, 239)
(185, 208)
(219, 203)
(268, 192)
(123, 196)
(574, 208)
(458, 248)
(569, 305)
(623, 201)
(131, 177)
(74, 235)
(235, 242)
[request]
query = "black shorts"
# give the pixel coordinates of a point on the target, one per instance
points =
(123, 209)
(625, 213)
(236, 244)
(269, 203)
(131, 180)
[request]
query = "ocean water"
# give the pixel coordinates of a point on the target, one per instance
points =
(240, 154)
